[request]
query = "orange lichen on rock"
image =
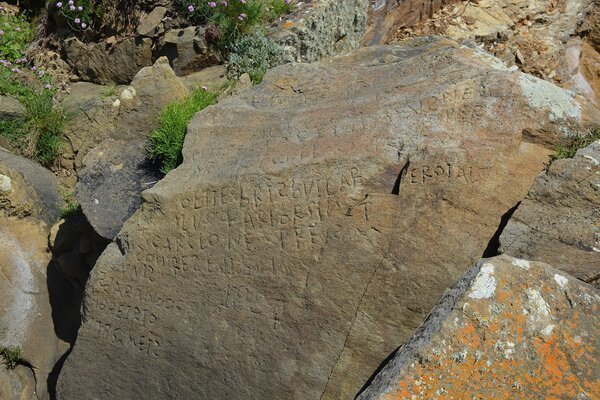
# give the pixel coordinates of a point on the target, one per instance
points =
(509, 329)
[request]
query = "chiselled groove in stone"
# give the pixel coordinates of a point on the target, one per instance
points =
(360, 301)
(403, 171)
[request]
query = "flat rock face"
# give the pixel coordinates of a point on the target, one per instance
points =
(111, 181)
(315, 220)
(559, 221)
(508, 329)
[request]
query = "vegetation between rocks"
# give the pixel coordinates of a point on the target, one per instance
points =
(569, 147)
(11, 356)
(253, 54)
(235, 18)
(38, 133)
(166, 142)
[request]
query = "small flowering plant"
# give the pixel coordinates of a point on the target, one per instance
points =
(77, 13)
(235, 17)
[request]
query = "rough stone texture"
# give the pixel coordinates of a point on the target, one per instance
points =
(26, 317)
(110, 183)
(151, 25)
(129, 113)
(187, 50)
(388, 14)
(33, 189)
(315, 220)
(533, 35)
(509, 329)
(322, 28)
(28, 202)
(109, 63)
(559, 221)
(213, 78)
(10, 108)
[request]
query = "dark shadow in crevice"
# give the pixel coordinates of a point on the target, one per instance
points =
(403, 171)
(75, 249)
(382, 365)
(493, 247)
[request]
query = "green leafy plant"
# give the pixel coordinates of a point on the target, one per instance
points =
(11, 355)
(15, 36)
(253, 54)
(167, 141)
(235, 18)
(568, 148)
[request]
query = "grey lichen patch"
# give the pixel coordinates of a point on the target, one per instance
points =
(542, 94)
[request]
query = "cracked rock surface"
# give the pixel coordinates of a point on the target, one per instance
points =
(508, 329)
(315, 220)
(559, 220)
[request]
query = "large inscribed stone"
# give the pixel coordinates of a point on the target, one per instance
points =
(314, 222)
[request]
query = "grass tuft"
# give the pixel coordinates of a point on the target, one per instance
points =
(11, 355)
(569, 147)
(167, 141)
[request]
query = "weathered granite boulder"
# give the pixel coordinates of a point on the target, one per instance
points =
(314, 222)
(321, 28)
(28, 202)
(508, 329)
(111, 181)
(10, 108)
(109, 62)
(559, 220)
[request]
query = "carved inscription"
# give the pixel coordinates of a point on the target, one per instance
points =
(441, 172)
(210, 242)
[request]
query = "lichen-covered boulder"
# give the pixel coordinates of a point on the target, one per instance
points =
(315, 220)
(508, 329)
(559, 220)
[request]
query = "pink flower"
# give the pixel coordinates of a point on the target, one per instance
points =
(59, 4)
(83, 25)
(212, 4)
(77, 21)
(191, 8)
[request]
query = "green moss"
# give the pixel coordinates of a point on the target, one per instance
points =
(167, 141)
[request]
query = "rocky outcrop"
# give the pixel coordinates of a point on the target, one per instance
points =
(559, 220)
(105, 63)
(187, 50)
(321, 28)
(111, 181)
(121, 112)
(28, 201)
(388, 15)
(509, 328)
(315, 220)
(536, 36)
